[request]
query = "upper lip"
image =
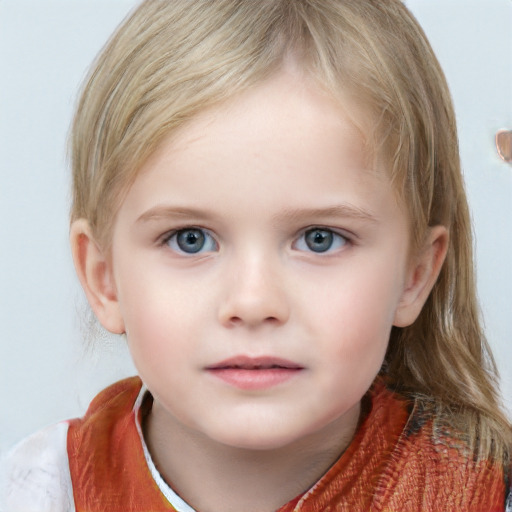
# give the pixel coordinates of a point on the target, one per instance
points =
(255, 363)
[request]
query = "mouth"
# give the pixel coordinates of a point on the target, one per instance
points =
(255, 363)
(254, 373)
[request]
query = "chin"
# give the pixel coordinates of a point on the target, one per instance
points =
(268, 439)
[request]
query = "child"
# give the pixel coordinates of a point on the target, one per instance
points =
(268, 203)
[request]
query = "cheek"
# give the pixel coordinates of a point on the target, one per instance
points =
(149, 296)
(355, 310)
(365, 297)
(165, 315)
(149, 313)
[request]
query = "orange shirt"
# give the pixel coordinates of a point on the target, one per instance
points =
(394, 463)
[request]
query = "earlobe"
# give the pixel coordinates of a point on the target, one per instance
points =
(95, 274)
(422, 276)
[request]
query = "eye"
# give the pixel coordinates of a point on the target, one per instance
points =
(191, 241)
(320, 240)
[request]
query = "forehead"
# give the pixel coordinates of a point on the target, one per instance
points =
(285, 143)
(289, 105)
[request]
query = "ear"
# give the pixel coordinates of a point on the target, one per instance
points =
(422, 276)
(95, 273)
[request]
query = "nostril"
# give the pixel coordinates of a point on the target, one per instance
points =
(235, 320)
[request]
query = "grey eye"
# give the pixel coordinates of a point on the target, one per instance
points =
(192, 241)
(320, 240)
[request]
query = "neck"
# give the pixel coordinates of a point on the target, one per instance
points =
(214, 477)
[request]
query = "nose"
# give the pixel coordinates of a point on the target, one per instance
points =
(254, 295)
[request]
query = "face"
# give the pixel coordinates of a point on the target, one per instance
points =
(258, 266)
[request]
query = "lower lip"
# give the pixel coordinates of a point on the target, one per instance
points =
(255, 379)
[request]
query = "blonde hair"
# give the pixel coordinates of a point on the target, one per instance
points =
(171, 59)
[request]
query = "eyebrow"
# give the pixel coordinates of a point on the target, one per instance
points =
(165, 211)
(339, 211)
(293, 214)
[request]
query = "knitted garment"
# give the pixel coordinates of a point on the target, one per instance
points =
(394, 463)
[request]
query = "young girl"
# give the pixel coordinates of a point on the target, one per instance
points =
(268, 203)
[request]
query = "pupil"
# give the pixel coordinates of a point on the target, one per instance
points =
(319, 240)
(191, 240)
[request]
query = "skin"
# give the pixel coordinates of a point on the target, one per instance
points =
(255, 177)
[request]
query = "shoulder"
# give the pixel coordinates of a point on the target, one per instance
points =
(34, 475)
(440, 455)
(429, 453)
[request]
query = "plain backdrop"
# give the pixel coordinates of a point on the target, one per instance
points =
(50, 368)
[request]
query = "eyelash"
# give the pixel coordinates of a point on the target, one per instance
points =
(340, 240)
(172, 239)
(335, 239)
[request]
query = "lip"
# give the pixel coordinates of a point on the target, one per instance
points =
(254, 373)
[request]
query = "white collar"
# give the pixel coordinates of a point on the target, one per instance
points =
(172, 497)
